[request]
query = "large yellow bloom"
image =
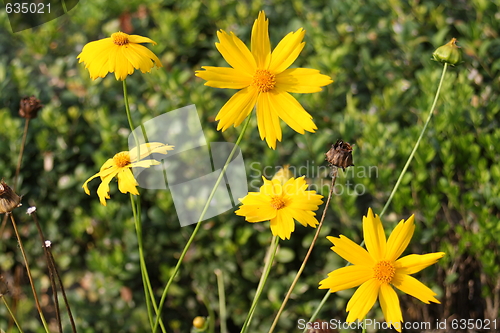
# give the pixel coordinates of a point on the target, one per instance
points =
(120, 53)
(378, 268)
(264, 81)
(281, 204)
(120, 166)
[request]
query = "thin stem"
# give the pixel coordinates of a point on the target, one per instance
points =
(138, 231)
(273, 247)
(129, 118)
(306, 258)
(198, 225)
(12, 315)
(53, 268)
(21, 152)
(410, 158)
(37, 303)
(136, 209)
(222, 300)
(431, 111)
(51, 272)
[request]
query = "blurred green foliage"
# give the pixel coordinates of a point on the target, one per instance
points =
(379, 54)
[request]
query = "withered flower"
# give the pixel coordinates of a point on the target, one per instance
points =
(8, 199)
(340, 155)
(29, 107)
(4, 288)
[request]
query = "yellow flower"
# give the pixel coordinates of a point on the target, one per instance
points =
(378, 268)
(120, 166)
(120, 53)
(264, 81)
(281, 204)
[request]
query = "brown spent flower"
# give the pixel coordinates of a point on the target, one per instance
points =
(29, 107)
(4, 288)
(340, 155)
(8, 199)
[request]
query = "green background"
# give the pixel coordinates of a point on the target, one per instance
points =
(378, 53)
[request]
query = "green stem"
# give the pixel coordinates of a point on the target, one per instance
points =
(129, 118)
(138, 231)
(431, 111)
(222, 300)
(136, 210)
(12, 315)
(273, 247)
(198, 225)
(306, 258)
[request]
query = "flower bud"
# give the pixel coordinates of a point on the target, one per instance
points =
(8, 199)
(29, 107)
(283, 175)
(199, 322)
(448, 53)
(340, 155)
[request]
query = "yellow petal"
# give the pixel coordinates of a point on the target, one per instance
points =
(351, 251)
(147, 58)
(103, 189)
(374, 236)
(389, 302)
(414, 263)
(147, 149)
(283, 224)
(237, 108)
(268, 121)
(291, 112)
(400, 238)
(413, 287)
(302, 80)
(127, 182)
(224, 77)
(261, 46)
(85, 187)
(140, 39)
(362, 300)
(346, 278)
(236, 53)
(287, 51)
(304, 217)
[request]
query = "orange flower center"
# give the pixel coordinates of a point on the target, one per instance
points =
(122, 159)
(277, 203)
(264, 80)
(119, 38)
(384, 271)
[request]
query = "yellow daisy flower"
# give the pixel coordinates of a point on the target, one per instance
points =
(281, 204)
(120, 166)
(378, 268)
(264, 81)
(120, 53)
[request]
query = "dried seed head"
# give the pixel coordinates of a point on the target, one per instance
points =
(8, 199)
(4, 289)
(29, 107)
(340, 155)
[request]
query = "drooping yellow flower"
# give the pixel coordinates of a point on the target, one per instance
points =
(264, 81)
(379, 268)
(120, 54)
(281, 204)
(120, 166)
